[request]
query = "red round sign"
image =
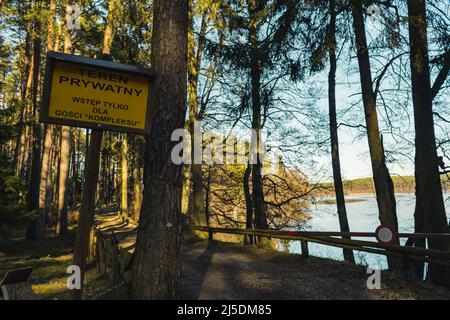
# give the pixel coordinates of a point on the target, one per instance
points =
(385, 234)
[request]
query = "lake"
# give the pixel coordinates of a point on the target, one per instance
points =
(363, 217)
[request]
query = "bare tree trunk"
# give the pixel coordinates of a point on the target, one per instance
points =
(124, 178)
(427, 166)
(194, 64)
(102, 185)
(207, 201)
(51, 180)
(255, 73)
(16, 162)
(19, 152)
(23, 134)
(137, 177)
(57, 162)
(419, 225)
(48, 135)
(53, 199)
(156, 265)
(57, 39)
(248, 204)
(137, 201)
(51, 26)
(62, 225)
(43, 185)
(35, 229)
(86, 216)
(186, 192)
(383, 183)
(338, 187)
(75, 166)
(87, 207)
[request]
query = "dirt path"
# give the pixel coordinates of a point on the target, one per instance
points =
(125, 232)
(218, 271)
(230, 271)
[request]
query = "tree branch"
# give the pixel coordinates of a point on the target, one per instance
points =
(442, 76)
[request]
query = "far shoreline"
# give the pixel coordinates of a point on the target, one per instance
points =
(333, 201)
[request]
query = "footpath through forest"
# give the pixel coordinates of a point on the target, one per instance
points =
(232, 271)
(219, 270)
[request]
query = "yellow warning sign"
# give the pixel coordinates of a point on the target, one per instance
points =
(94, 96)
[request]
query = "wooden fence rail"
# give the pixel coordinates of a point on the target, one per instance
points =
(112, 257)
(329, 239)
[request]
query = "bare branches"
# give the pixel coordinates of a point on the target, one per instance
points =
(442, 76)
(379, 78)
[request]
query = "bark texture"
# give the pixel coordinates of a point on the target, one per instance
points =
(86, 216)
(61, 227)
(255, 74)
(383, 183)
(48, 135)
(195, 49)
(35, 230)
(337, 178)
(124, 178)
(156, 265)
(428, 180)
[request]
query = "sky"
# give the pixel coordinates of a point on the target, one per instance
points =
(354, 153)
(355, 160)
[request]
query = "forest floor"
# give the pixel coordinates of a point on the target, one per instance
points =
(231, 271)
(49, 259)
(219, 270)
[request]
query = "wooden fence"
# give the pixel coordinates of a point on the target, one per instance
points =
(336, 239)
(112, 258)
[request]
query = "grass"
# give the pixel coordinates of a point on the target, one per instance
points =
(49, 259)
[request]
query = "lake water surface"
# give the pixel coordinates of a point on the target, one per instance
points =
(363, 217)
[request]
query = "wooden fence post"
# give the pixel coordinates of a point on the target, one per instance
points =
(100, 244)
(305, 250)
(115, 263)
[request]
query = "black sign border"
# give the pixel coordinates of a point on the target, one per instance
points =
(52, 57)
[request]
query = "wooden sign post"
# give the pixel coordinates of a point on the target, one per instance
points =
(101, 95)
